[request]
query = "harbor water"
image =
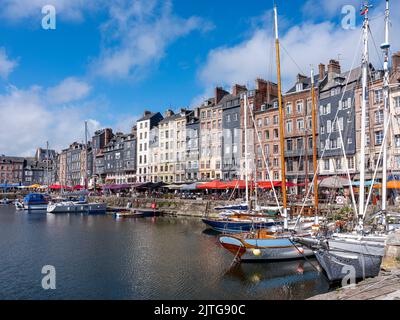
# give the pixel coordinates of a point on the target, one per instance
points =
(100, 257)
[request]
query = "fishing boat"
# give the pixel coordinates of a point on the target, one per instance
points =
(359, 253)
(35, 201)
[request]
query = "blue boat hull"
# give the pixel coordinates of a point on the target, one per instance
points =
(237, 226)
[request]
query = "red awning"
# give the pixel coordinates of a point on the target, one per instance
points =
(59, 187)
(213, 185)
(78, 187)
(239, 184)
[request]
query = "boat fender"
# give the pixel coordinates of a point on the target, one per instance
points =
(256, 252)
(301, 250)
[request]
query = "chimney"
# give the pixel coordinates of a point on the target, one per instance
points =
(396, 61)
(321, 71)
(219, 94)
(196, 112)
(333, 69)
(237, 89)
(168, 113)
(301, 78)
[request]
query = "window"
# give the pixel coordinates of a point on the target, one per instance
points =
(350, 163)
(322, 129)
(266, 121)
(289, 108)
(228, 118)
(299, 106)
(378, 96)
(328, 126)
(276, 119)
(378, 137)
(276, 148)
(276, 133)
(397, 140)
(379, 117)
(338, 162)
(349, 140)
(300, 124)
(259, 123)
(266, 134)
(289, 145)
(397, 102)
(235, 117)
(326, 164)
(289, 126)
(300, 143)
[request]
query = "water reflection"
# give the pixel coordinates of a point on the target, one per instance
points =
(100, 257)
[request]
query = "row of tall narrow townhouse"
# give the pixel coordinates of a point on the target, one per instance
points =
(337, 119)
(298, 131)
(375, 120)
(262, 132)
(169, 155)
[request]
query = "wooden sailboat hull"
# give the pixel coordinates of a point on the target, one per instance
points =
(263, 249)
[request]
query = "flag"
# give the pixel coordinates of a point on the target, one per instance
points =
(364, 10)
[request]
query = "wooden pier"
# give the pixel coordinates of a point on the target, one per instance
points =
(384, 287)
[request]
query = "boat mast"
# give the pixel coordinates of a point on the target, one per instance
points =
(281, 131)
(385, 47)
(314, 143)
(363, 117)
(86, 156)
(47, 166)
(246, 170)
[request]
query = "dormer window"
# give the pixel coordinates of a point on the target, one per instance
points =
(299, 87)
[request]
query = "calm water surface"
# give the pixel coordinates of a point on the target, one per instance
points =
(99, 257)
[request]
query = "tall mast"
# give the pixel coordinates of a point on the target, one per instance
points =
(314, 143)
(385, 47)
(363, 117)
(86, 156)
(47, 165)
(281, 131)
(246, 172)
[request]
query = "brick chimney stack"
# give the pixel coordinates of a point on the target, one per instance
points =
(321, 71)
(219, 94)
(168, 113)
(237, 89)
(333, 69)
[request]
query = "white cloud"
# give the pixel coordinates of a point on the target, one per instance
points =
(70, 10)
(30, 121)
(7, 65)
(70, 89)
(137, 35)
(308, 43)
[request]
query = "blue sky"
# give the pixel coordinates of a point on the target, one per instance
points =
(107, 61)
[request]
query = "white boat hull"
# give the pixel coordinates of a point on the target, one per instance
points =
(89, 208)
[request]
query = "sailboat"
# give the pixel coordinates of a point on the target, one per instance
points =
(358, 253)
(78, 206)
(263, 244)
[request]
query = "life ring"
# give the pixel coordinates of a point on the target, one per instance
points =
(340, 200)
